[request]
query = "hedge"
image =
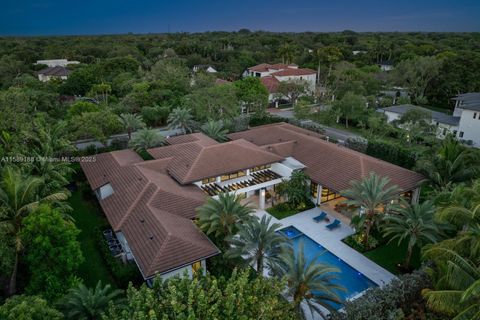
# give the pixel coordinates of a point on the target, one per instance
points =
(392, 152)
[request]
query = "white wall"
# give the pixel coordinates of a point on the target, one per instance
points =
(311, 79)
(470, 126)
(391, 116)
(182, 271)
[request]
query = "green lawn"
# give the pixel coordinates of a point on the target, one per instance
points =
(390, 255)
(87, 218)
(283, 210)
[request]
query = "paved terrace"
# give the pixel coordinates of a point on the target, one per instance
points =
(332, 241)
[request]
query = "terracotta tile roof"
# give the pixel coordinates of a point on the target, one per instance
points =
(152, 210)
(194, 161)
(293, 72)
(327, 164)
(271, 83)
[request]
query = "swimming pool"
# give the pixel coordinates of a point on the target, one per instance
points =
(351, 279)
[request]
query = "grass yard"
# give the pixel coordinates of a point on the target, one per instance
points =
(390, 255)
(87, 218)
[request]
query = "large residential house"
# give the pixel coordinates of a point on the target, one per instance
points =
(151, 205)
(272, 74)
(464, 123)
(445, 123)
(50, 73)
(467, 107)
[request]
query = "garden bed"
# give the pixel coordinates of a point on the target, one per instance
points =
(284, 210)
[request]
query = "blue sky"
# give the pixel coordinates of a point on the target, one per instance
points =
(49, 17)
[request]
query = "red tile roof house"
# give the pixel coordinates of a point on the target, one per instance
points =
(151, 205)
(272, 74)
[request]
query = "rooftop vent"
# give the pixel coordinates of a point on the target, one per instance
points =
(151, 237)
(142, 220)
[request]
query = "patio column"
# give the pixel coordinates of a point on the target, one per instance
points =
(415, 195)
(218, 179)
(261, 200)
(319, 194)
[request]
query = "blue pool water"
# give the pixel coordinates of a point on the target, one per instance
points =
(351, 279)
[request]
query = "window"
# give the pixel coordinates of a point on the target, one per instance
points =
(104, 191)
(474, 115)
(460, 135)
(208, 180)
(328, 195)
(196, 267)
(314, 189)
(455, 133)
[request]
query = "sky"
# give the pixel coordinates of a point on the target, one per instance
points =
(67, 17)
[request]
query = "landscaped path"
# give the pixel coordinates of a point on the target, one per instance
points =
(332, 241)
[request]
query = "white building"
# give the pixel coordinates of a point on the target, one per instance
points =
(56, 62)
(204, 67)
(272, 74)
(385, 66)
(445, 123)
(467, 108)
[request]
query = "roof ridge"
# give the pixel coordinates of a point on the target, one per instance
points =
(137, 200)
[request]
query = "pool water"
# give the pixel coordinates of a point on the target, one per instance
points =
(351, 279)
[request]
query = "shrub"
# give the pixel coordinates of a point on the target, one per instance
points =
(264, 118)
(123, 273)
(356, 242)
(357, 143)
(398, 297)
(392, 152)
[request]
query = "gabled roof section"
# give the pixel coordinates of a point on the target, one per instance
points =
(327, 164)
(271, 83)
(214, 160)
(293, 72)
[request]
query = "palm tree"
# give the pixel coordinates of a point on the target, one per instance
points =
(131, 122)
(19, 197)
(414, 223)
(372, 194)
(458, 291)
(286, 51)
(257, 243)
(221, 217)
(308, 281)
(146, 138)
(215, 130)
(296, 189)
(453, 163)
(84, 303)
(180, 118)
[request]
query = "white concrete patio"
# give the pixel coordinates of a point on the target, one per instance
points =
(332, 241)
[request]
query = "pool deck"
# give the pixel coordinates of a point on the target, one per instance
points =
(332, 241)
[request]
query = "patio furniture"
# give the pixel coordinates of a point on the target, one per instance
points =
(320, 217)
(335, 224)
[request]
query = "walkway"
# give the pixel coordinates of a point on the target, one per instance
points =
(332, 241)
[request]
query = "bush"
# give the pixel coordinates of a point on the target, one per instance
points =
(121, 272)
(264, 118)
(392, 152)
(356, 242)
(283, 210)
(357, 143)
(398, 297)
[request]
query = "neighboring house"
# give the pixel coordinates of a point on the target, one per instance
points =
(445, 123)
(204, 67)
(56, 62)
(467, 107)
(357, 52)
(272, 74)
(385, 65)
(47, 74)
(151, 205)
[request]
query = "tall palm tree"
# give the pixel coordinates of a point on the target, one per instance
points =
(215, 130)
(453, 163)
(146, 138)
(457, 293)
(180, 118)
(308, 281)
(19, 197)
(296, 189)
(372, 194)
(221, 217)
(413, 223)
(286, 51)
(131, 122)
(257, 243)
(84, 303)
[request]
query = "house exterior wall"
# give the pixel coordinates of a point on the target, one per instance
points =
(188, 269)
(45, 78)
(470, 127)
(311, 79)
(392, 116)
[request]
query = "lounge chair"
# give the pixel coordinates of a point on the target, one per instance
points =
(333, 225)
(320, 217)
